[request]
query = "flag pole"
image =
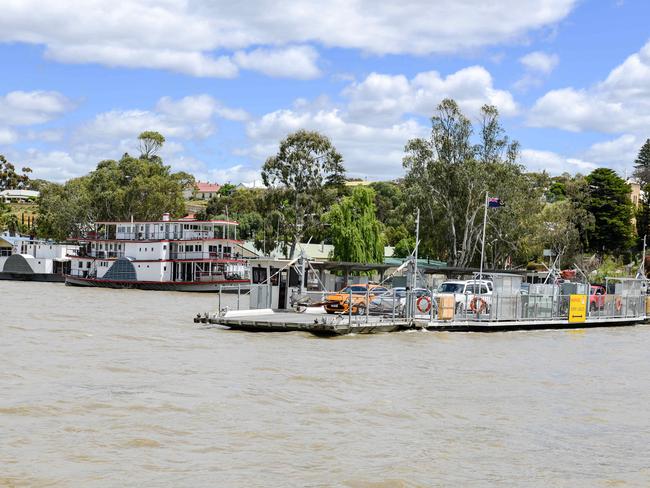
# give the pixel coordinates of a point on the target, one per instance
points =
(480, 273)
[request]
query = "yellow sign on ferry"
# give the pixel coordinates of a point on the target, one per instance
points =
(578, 308)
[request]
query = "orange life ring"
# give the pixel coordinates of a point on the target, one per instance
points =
(482, 305)
(618, 303)
(418, 304)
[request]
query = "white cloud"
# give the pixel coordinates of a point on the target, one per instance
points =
(367, 150)
(187, 62)
(382, 97)
(291, 62)
(110, 134)
(35, 107)
(191, 117)
(378, 117)
(618, 153)
(198, 37)
(620, 103)
(538, 65)
(7, 136)
(53, 165)
(554, 163)
(540, 62)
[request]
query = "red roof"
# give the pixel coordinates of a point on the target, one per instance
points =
(207, 187)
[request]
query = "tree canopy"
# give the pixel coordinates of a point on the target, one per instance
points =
(10, 179)
(609, 203)
(354, 229)
(447, 176)
(305, 167)
(142, 188)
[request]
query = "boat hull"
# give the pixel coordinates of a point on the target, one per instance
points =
(203, 287)
(42, 277)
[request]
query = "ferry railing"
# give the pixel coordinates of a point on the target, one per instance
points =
(535, 308)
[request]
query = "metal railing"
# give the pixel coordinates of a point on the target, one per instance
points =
(204, 255)
(409, 306)
(185, 235)
(95, 253)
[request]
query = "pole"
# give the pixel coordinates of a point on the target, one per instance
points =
(643, 259)
(480, 273)
(417, 243)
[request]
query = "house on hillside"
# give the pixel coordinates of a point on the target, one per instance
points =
(635, 192)
(201, 191)
(18, 196)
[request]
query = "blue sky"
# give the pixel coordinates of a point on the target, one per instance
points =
(225, 82)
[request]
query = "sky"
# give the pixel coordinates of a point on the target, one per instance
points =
(225, 81)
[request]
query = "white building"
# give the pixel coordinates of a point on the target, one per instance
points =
(18, 196)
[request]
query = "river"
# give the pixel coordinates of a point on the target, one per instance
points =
(119, 388)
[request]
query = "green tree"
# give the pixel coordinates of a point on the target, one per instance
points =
(355, 231)
(305, 166)
(558, 231)
(64, 210)
(447, 177)
(609, 203)
(10, 179)
(642, 164)
(226, 189)
(404, 248)
(141, 188)
(150, 143)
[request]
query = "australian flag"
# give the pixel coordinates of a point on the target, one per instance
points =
(495, 202)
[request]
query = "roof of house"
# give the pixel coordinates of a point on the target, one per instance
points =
(207, 187)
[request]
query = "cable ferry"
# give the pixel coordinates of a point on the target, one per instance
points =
(176, 255)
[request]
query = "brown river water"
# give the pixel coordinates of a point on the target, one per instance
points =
(119, 388)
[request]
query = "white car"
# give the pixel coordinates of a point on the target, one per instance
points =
(469, 295)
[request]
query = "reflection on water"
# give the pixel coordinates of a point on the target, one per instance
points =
(120, 388)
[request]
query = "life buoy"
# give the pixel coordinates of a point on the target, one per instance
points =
(618, 303)
(478, 305)
(427, 307)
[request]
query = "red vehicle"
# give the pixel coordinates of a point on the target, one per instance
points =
(596, 297)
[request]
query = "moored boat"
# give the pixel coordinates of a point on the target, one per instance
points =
(174, 255)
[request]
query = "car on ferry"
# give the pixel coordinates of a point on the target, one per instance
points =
(596, 297)
(469, 295)
(395, 300)
(361, 295)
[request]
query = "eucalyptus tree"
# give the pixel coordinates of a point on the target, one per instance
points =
(10, 178)
(447, 176)
(305, 167)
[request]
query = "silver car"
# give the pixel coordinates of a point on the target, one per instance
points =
(394, 299)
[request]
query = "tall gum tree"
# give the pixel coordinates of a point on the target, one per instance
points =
(306, 165)
(447, 176)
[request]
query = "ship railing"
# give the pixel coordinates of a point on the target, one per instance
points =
(204, 255)
(95, 253)
(186, 235)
